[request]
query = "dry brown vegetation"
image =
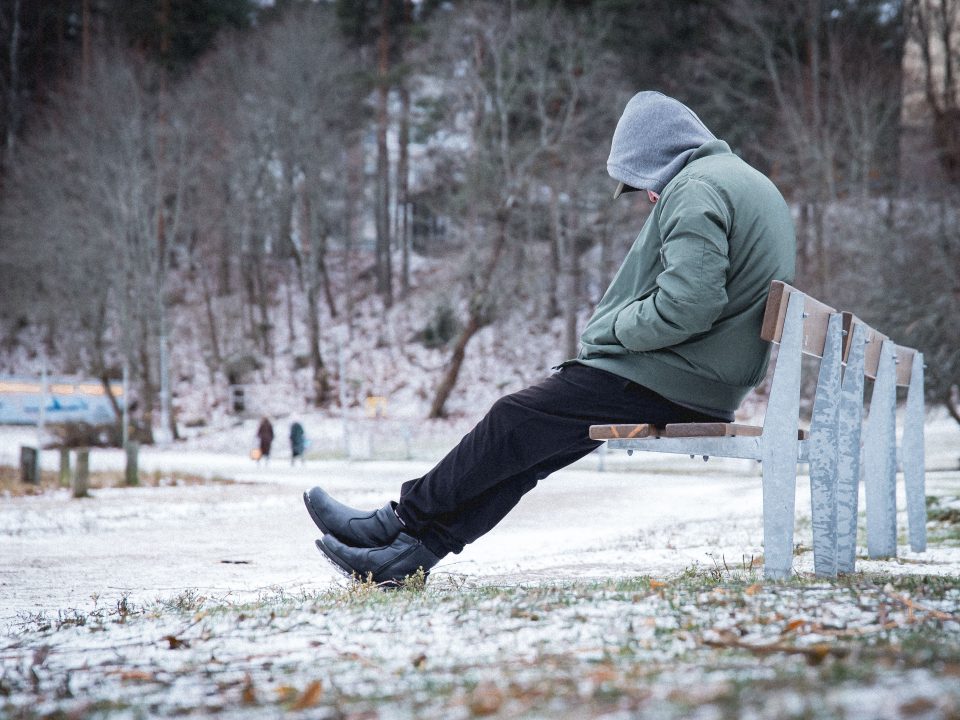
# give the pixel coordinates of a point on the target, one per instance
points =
(11, 485)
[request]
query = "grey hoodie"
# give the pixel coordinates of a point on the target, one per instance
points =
(654, 139)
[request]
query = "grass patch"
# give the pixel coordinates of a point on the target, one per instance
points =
(717, 640)
(11, 486)
(943, 520)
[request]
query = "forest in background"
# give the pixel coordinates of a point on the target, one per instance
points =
(221, 185)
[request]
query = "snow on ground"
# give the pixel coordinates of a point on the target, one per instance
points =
(647, 514)
(620, 586)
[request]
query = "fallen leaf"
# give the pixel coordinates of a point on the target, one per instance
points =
(485, 699)
(310, 697)
(176, 643)
(816, 654)
(917, 706)
(419, 661)
(602, 674)
(286, 693)
(249, 694)
(793, 625)
(137, 676)
(753, 589)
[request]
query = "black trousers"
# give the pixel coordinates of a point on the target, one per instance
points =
(523, 438)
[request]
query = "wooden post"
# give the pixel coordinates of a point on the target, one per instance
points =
(29, 470)
(81, 476)
(132, 475)
(64, 467)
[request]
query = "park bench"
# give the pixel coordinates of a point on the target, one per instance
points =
(839, 447)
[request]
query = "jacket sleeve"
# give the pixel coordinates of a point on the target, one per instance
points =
(691, 291)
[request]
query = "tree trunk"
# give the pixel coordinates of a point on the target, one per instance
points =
(99, 346)
(291, 332)
(85, 42)
(321, 384)
(403, 189)
(114, 405)
(475, 321)
(572, 296)
(325, 278)
(449, 380)
(950, 402)
(383, 265)
(556, 257)
(263, 306)
(354, 187)
(146, 383)
(211, 320)
(820, 246)
(12, 99)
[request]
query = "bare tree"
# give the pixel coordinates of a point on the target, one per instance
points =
(521, 121)
(934, 26)
(96, 164)
(818, 77)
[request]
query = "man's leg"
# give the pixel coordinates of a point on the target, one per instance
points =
(523, 438)
(449, 532)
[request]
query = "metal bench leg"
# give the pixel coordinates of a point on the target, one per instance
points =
(779, 447)
(913, 458)
(848, 464)
(824, 442)
(880, 460)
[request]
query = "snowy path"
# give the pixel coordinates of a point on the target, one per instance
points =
(658, 519)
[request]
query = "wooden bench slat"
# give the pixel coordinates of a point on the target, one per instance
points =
(620, 432)
(871, 356)
(679, 430)
(712, 430)
(817, 316)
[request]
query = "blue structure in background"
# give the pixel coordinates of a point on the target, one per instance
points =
(67, 400)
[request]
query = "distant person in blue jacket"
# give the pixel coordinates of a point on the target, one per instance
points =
(297, 442)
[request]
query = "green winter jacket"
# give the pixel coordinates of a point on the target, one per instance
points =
(683, 314)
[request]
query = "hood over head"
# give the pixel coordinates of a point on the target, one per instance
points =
(655, 137)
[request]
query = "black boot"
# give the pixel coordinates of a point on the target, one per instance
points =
(357, 528)
(388, 565)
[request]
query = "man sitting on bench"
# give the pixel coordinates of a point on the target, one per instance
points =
(675, 339)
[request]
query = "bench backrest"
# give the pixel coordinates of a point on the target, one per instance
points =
(816, 318)
(871, 357)
(815, 321)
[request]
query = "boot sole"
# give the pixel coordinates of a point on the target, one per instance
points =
(334, 560)
(351, 574)
(313, 515)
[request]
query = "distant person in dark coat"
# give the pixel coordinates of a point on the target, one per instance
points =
(265, 434)
(297, 442)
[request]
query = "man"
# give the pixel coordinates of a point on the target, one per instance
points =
(676, 338)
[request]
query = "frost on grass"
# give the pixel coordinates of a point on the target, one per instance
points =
(699, 645)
